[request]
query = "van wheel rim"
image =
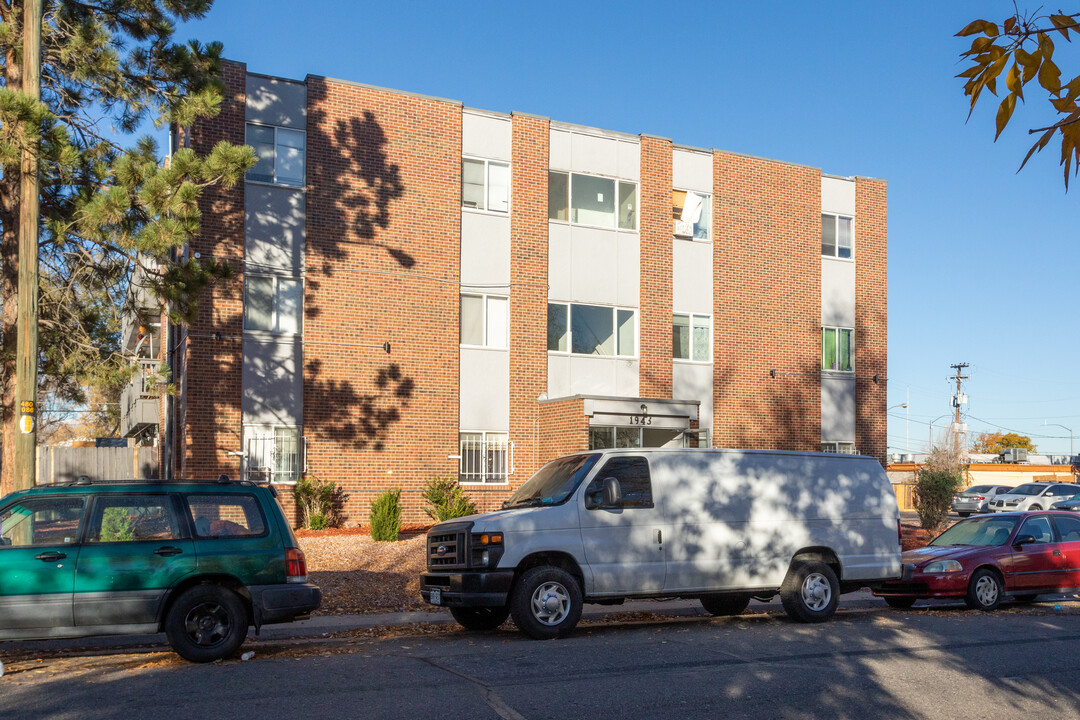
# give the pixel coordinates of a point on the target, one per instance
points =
(986, 590)
(816, 591)
(207, 624)
(550, 603)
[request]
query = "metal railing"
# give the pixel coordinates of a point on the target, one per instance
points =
(485, 460)
(274, 458)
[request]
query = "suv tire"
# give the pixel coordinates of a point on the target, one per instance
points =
(546, 603)
(206, 623)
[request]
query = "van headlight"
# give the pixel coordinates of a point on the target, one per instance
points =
(943, 566)
(487, 549)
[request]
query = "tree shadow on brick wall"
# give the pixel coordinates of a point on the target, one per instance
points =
(354, 186)
(362, 420)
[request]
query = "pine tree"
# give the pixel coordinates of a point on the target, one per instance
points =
(111, 213)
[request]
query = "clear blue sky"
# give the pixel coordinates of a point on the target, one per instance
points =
(982, 261)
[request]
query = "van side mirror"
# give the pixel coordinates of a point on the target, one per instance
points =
(612, 492)
(606, 493)
(1024, 540)
(5, 541)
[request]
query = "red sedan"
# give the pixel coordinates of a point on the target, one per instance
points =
(984, 558)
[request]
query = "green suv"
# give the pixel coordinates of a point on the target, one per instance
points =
(200, 561)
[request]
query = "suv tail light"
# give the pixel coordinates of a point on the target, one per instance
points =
(295, 565)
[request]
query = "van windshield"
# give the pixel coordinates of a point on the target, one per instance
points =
(553, 483)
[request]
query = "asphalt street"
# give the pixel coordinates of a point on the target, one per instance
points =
(869, 661)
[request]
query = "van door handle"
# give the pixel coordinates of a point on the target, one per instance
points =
(168, 551)
(659, 538)
(50, 556)
(1057, 552)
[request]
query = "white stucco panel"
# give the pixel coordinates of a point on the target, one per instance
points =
(837, 195)
(485, 389)
(486, 136)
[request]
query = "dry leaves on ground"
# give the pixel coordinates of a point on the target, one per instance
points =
(360, 575)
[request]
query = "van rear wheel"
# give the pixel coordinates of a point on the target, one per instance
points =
(810, 592)
(546, 603)
(480, 618)
(725, 604)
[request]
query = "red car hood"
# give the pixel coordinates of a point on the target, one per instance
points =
(943, 552)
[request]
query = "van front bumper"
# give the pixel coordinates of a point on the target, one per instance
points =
(467, 589)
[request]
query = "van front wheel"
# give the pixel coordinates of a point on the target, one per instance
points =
(546, 603)
(810, 592)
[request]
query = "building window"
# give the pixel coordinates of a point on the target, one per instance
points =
(279, 154)
(485, 185)
(837, 349)
(691, 338)
(836, 236)
(592, 200)
(486, 457)
(272, 454)
(484, 320)
(691, 213)
(846, 448)
(602, 437)
(592, 330)
(273, 303)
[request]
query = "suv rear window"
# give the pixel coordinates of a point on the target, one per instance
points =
(226, 515)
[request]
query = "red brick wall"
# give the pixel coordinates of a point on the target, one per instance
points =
(871, 326)
(382, 264)
(564, 429)
(655, 314)
(528, 296)
(210, 416)
(767, 296)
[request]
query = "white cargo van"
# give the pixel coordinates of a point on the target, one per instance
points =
(720, 525)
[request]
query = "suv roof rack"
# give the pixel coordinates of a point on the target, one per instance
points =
(222, 479)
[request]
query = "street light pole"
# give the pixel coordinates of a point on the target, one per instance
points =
(930, 446)
(1070, 435)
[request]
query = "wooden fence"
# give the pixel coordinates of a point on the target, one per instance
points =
(64, 464)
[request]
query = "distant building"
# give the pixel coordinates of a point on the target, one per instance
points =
(542, 288)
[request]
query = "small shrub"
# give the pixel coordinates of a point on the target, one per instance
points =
(385, 516)
(934, 491)
(319, 499)
(448, 500)
(116, 525)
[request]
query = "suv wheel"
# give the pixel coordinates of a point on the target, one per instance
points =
(546, 603)
(206, 623)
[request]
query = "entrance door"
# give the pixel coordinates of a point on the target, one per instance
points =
(624, 544)
(38, 550)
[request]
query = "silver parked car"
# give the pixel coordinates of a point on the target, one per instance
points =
(976, 498)
(1032, 496)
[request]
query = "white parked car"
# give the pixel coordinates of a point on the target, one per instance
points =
(1032, 496)
(723, 526)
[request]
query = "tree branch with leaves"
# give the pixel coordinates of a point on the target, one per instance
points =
(1024, 44)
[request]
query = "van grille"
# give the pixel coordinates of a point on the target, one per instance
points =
(446, 549)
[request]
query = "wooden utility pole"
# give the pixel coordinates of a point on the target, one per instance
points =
(27, 320)
(958, 400)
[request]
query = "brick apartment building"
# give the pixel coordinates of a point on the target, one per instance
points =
(426, 289)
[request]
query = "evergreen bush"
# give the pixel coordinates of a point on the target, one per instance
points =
(448, 500)
(385, 516)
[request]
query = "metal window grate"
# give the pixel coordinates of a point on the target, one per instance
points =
(274, 458)
(485, 460)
